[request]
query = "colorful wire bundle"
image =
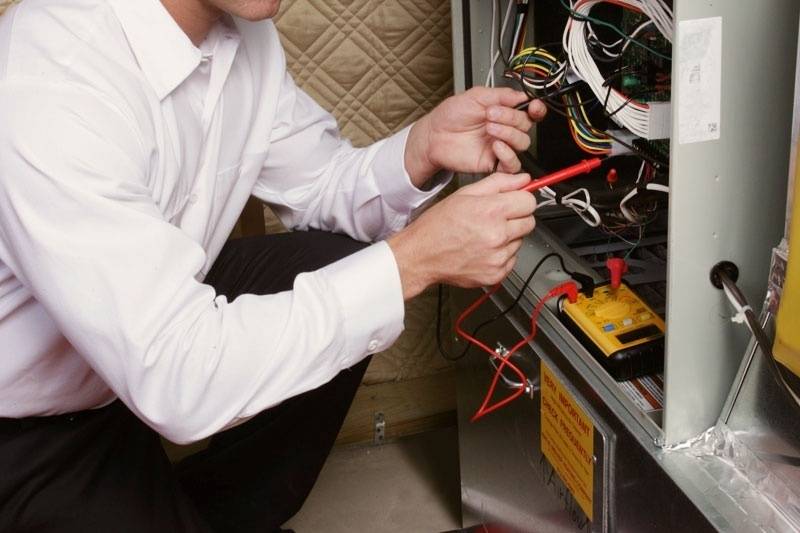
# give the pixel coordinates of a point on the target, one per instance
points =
(583, 133)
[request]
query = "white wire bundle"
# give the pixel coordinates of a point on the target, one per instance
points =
(661, 15)
(630, 217)
(608, 48)
(581, 205)
(630, 115)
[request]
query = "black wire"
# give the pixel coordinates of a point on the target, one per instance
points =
(499, 315)
(598, 55)
(550, 99)
(627, 102)
(761, 338)
(500, 34)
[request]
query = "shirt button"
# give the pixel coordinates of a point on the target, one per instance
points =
(193, 199)
(373, 345)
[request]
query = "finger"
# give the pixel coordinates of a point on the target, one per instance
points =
(497, 183)
(537, 110)
(510, 265)
(513, 204)
(504, 96)
(516, 204)
(516, 139)
(509, 162)
(513, 247)
(520, 227)
(510, 117)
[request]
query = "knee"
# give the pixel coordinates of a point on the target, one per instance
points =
(324, 248)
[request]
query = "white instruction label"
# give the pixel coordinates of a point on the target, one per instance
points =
(699, 79)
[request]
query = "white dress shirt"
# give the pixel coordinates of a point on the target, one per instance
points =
(126, 157)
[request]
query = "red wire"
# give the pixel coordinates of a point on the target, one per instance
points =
(569, 288)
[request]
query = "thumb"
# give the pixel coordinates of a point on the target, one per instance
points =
(497, 183)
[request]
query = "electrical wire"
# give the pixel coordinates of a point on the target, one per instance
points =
(500, 33)
(661, 15)
(569, 289)
(520, 26)
(584, 280)
(626, 212)
(581, 129)
(607, 48)
(579, 200)
(581, 15)
(746, 315)
(549, 99)
(632, 114)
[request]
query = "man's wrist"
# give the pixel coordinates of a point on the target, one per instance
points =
(417, 158)
(410, 265)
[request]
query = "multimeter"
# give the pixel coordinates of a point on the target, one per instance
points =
(619, 329)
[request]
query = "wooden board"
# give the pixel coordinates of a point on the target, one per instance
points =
(408, 407)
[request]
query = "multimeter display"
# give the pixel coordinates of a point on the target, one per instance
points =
(639, 334)
(619, 329)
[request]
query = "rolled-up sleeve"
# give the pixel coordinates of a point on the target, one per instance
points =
(79, 227)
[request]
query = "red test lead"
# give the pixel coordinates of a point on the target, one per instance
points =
(584, 167)
(568, 289)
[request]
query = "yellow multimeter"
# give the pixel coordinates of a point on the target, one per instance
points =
(619, 329)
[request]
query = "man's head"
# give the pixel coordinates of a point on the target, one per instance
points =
(247, 9)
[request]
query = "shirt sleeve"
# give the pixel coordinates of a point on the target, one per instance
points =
(79, 227)
(315, 179)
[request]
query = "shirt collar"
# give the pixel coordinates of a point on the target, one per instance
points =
(164, 52)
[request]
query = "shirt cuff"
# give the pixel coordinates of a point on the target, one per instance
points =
(393, 180)
(368, 288)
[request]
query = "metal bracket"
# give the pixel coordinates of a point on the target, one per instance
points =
(379, 429)
(530, 386)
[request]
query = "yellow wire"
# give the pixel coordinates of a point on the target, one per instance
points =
(534, 51)
(578, 135)
(598, 138)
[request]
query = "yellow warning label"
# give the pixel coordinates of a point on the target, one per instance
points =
(568, 439)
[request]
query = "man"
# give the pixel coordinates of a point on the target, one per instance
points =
(132, 133)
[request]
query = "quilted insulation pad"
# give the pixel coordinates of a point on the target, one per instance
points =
(377, 65)
(5, 3)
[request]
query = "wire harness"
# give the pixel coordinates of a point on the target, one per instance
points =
(636, 116)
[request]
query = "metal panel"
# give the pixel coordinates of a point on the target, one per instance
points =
(726, 203)
(461, 45)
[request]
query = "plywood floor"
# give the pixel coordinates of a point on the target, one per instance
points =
(409, 485)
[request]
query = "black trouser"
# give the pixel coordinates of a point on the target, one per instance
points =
(104, 470)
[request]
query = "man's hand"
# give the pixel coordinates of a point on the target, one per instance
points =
(469, 239)
(470, 132)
